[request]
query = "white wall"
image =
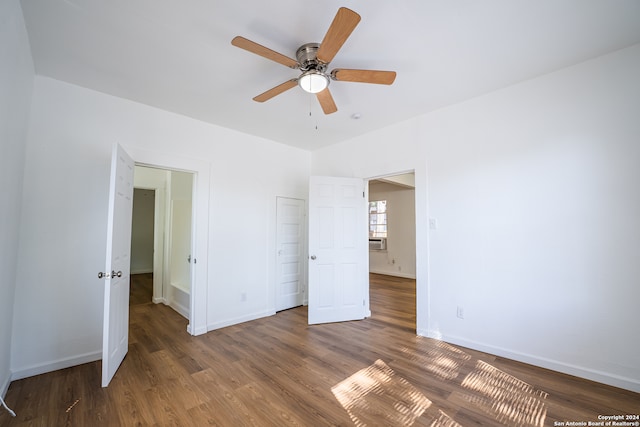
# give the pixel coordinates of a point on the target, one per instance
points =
(535, 190)
(142, 228)
(399, 259)
(16, 86)
(58, 303)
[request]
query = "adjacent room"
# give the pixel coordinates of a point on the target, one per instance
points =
(361, 213)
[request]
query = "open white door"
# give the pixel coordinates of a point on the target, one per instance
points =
(338, 267)
(115, 332)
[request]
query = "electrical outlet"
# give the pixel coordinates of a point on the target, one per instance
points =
(460, 312)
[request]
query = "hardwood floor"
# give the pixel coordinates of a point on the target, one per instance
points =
(279, 371)
(141, 289)
(393, 301)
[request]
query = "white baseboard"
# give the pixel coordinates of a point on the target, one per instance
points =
(198, 331)
(182, 310)
(543, 362)
(5, 385)
(43, 368)
(177, 298)
(240, 319)
(394, 274)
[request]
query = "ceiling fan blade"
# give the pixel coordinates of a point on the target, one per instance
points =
(364, 76)
(326, 101)
(276, 90)
(265, 52)
(340, 29)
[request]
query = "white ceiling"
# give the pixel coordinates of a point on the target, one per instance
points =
(177, 55)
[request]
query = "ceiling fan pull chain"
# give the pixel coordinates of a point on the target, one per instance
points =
(310, 115)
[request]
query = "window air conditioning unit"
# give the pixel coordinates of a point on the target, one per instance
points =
(377, 243)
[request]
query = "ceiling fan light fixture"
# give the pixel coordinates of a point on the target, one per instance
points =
(313, 81)
(312, 59)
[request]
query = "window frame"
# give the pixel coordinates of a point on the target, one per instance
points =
(374, 226)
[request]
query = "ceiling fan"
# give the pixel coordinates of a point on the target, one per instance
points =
(313, 60)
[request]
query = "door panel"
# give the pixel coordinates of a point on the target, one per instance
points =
(338, 267)
(290, 215)
(115, 339)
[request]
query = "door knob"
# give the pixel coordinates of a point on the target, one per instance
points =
(114, 274)
(101, 275)
(313, 257)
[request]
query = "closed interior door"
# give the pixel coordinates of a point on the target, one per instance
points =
(290, 247)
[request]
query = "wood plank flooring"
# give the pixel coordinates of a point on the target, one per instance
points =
(278, 371)
(141, 289)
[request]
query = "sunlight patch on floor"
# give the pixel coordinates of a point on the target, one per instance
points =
(443, 361)
(376, 395)
(505, 397)
(443, 420)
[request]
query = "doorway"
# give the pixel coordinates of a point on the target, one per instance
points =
(392, 243)
(142, 246)
(162, 231)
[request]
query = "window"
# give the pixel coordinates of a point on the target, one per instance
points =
(378, 219)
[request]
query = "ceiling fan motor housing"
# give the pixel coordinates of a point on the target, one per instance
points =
(307, 58)
(314, 79)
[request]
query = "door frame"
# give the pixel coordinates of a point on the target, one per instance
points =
(419, 276)
(199, 225)
(163, 234)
